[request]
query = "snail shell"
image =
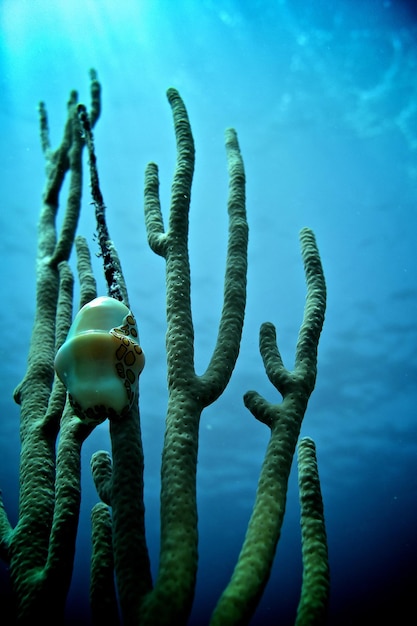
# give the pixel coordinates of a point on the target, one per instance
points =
(101, 360)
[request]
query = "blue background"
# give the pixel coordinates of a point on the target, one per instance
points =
(324, 98)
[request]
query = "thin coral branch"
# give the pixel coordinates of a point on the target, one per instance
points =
(112, 268)
(103, 597)
(312, 607)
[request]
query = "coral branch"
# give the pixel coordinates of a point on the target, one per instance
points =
(86, 278)
(171, 599)
(253, 568)
(101, 470)
(217, 375)
(112, 269)
(41, 546)
(316, 581)
(103, 599)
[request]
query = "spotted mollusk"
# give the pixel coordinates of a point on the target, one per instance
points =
(101, 360)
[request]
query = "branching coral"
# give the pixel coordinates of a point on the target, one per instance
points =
(40, 549)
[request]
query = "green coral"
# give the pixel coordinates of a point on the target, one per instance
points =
(316, 578)
(241, 596)
(172, 596)
(40, 548)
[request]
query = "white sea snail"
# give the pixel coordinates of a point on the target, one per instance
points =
(101, 360)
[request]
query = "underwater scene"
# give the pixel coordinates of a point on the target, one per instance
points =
(304, 113)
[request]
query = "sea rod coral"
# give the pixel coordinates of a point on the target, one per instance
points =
(101, 350)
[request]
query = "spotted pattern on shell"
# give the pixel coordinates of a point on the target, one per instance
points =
(128, 354)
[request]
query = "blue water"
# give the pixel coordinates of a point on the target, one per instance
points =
(324, 98)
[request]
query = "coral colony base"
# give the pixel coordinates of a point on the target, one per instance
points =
(98, 361)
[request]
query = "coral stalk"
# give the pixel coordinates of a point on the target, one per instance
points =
(240, 598)
(170, 600)
(316, 579)
(40, 549)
